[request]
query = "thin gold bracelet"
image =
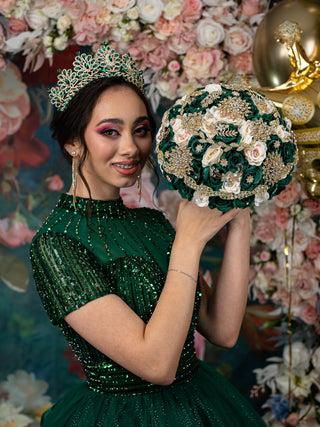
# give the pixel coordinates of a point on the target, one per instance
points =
(182, 272)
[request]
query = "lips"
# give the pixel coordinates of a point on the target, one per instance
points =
(126, 168)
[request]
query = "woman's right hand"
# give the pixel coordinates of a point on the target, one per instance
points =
(197, 225)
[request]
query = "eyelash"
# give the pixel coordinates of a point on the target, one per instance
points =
(110, 131)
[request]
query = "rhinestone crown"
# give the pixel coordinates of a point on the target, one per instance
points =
(87, 68)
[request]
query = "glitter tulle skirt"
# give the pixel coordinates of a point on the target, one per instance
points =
(207, 400)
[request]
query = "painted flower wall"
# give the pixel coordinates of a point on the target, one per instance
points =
(180, 44)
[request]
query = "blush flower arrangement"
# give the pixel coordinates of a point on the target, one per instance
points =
(225, 147)
(285, 271)
(183, 44)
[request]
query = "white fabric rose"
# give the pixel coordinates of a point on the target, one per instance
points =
(212, 155)
(133, 13)
(60, 43)
(282, 133)
(172, 9)
(256, 154)
(150, 10)
(213, 88)
(231, 182)
(181, 135)
(209, 33)
(200, 198)
(47, 41)
(261, 197)
(52, 9)
(165, 89)
(63, 23)
(237, 40)
(245, 131)
(37, 20)
(316, 359)
(300, 356)
(120, 6)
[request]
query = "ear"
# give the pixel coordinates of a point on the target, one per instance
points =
(72, 146)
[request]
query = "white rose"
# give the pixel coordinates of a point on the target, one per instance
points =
(37, 20)
(256, 154)
(181, 135)
(213, 88)
(200, 198)
(209, 33)
(52, 9)
(300, 356)
(47, 41)
(48, 52)
(237, 40)
(187, 88)
(60, 43)
(150, 10)
(261, 282)
(172, 9)
(245, 131)
(231, 182)
(63, 23)
(282, 133)
(212, 155)
(134, 25)
(120, 6)
(133, 13)
(165, 89)
(261, 197)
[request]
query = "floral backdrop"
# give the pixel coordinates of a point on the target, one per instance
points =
(181, 45)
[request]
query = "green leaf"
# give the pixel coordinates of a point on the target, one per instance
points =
(14, 272)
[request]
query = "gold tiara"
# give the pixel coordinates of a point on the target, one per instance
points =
(87, 68)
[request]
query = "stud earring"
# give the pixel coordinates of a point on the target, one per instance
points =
(74, 178)
(139, 187)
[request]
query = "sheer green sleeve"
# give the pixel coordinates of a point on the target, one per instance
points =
(67, 275)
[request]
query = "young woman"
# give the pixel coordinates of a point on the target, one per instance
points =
(122, 284)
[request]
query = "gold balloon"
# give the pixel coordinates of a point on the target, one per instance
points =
(286, 56)
(270, 58)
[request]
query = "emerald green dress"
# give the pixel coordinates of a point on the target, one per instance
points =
(104, 248)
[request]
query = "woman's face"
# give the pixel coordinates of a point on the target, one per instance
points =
(119, 142)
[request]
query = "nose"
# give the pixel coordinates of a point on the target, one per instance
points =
(128, 146)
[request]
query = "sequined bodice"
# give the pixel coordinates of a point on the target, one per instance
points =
(101, 248)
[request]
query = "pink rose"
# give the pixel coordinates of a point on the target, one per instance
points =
(202, 63)
(6, 5)
(165, 28)
(15, 232)
(265, 256)
(14, 101)
(54, 183)
(265, 230)
(308, 313)
(242, 62)
(289, 196)
(130, 195)
(250, 7)
(17, 26)
(283, 295)
(282, 217)
(181, 43)
(313, 249)
(192, 10)
(174, 66)
(305, 282)
(158, 58)
(313, 206)
(238, 39)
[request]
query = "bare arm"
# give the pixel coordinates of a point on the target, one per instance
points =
(152, 351)
(222, 308)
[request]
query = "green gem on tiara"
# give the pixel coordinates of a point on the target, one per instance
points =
(87, 68)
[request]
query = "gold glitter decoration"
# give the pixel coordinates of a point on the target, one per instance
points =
(234, 108)
(273, 168)
(179, 162)
(307, 135)
(288, 32)
(298, 108)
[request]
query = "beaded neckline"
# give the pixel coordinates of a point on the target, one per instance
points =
(110, 208)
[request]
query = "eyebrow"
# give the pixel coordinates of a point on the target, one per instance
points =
(121, 122)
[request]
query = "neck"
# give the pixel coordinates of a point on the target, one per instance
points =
(96, 194)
